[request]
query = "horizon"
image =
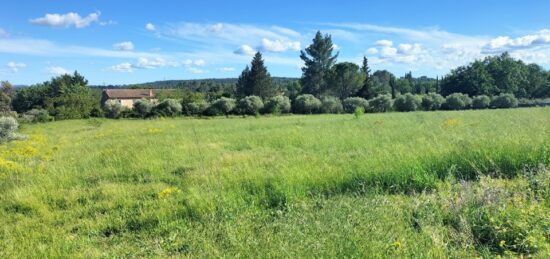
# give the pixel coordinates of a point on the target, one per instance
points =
(118, 44)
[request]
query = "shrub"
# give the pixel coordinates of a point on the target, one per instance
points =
(351, 103)
(250, 105)
(8, 128)
(432, 101)
(503, 101)
(381, 103)
(36, 116)
(221, 106)
(279, 103)
(407, 102)
(481, 102)
(330, 104)
(458, 101)
(167, 108)
(113, 109)
(195, 108)
(143, 108)
(306, 104)
(359, 111)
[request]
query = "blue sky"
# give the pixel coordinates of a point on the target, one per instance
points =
(120, 42)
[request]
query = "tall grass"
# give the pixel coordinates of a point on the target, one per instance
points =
(316, 185)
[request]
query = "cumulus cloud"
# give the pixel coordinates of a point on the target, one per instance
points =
(279, 45)
(245, 50)
(150, 27)
(66, 20)
(123, 67)
(14, 67)
(57, 70)
(372, 51)
(126, 45)
(505, 43)
(384, 43)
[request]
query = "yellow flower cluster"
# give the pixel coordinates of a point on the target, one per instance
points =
(168, 192)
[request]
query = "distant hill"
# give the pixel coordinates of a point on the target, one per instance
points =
(193, 83)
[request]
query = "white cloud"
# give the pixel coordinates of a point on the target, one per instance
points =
(388, 52)
(150, 27)
(154, 63)
(126, 45)
(215, 33)
(279, 45)
(372, 51)
(227, 69)
(505, 43)
(14, 67)
(384, 43)
(123, 67)
(199, 62)
(107, 23)
(195, 70)
(66, 20)
(245, 50)
(57, 70)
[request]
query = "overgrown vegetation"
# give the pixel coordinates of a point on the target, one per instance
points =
(430, 184)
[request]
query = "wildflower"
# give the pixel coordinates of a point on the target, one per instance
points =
(168, 192)
(397, 244)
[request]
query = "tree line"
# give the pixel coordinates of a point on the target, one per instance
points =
(326, 86)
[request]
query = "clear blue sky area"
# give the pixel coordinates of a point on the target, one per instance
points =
(120, 42)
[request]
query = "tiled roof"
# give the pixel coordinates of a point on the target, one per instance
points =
(129, 93)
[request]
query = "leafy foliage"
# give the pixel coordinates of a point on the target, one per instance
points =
(481, 102)
(345, 80)
(222, 106)
(330, 104)
(143, 108)
(503, 101)
(256, 80)
(432, 101)
(168, 108)
(306, 104)
(381, 103)
(36, 116)
(351, 104)
(407, 102)
(8, 128)
(250, 105)
(277, 104)
(457, 101)
(318, 61)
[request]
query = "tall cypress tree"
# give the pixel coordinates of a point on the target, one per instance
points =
(393, 85)
(243, 88)
(256, 80)
(318, 60)
(365, 91)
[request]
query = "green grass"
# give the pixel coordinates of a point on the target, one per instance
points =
(292, 186)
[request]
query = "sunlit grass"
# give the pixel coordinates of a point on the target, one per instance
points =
(318, 185)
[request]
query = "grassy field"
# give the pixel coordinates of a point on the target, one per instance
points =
(423, 184)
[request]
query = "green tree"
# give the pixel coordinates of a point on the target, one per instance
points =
(256, 80)
(345, 80)
(6, 95)
(366, 91)
(318, 59)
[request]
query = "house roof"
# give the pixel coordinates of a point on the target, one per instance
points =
(129, 93)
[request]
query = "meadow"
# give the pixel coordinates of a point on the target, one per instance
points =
(420, 184)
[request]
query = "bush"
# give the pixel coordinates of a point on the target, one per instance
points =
(458, 101)
(8, 128)
(113, 109)
(381, 103)
(481, 102)
(504, 101)
(250, 105)
(36, 116)
(407, 102)
(143, 108)
(331, 104)
(359, 111)
(277, 104)
(167, 108)
(352, 103)
(221, 106)
(432, 101)
(195, 108)
(306, 104)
